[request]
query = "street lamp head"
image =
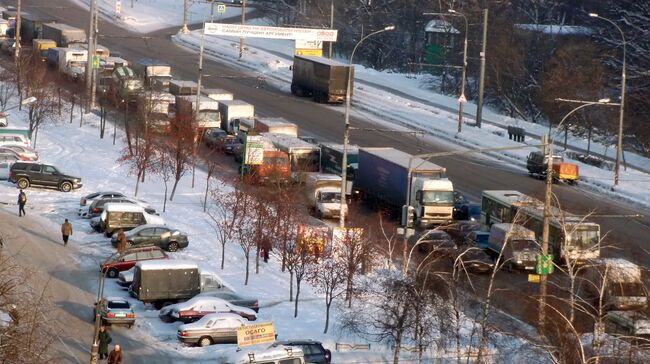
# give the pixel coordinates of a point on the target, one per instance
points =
(604, 101)
(28, 101)
(593, 15)
(390, 27)
(451, 11)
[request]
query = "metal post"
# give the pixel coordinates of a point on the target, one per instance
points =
(462, 81)
(198, 105)
(619, 147)
(346, 131)
(184, 29)
(91, 55)
(243, 22)
(17, 32)
(94, 349)
(331, 27)
(481, 82)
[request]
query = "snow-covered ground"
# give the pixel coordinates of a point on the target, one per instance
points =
(149, 15)
(377, 98)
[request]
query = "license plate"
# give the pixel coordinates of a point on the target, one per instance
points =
(120, 315)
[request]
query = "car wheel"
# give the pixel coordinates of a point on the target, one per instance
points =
(112, 273)
(205, 341)
(23, 183)
(172, 247)
(66, 187)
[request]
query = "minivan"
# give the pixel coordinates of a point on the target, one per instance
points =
(14, 139)
(125, 216)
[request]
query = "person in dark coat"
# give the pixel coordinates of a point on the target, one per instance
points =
(22, 200)
(104, 340)
(115, 357)
(121, 240)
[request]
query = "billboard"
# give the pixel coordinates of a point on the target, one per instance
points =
(259, 31)
(263, 333)
(308, 48)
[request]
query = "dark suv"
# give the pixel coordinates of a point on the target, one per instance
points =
(37, 174)
(313, 350)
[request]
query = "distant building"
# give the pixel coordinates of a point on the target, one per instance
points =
(441, 41)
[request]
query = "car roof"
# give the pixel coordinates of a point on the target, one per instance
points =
(127, 207)
(297, 342)
(146, 226)
(142, 248)
(116, 299)
(221, 315)
(165, 263)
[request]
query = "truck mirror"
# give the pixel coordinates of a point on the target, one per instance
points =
(418, 195)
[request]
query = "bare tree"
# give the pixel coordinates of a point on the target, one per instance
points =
(181, 140)
(328, 278)
(224, 213)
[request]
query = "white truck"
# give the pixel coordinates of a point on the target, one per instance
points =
(303, 156)
(157, 74)
(233, 110)
(276, 126)
(72, 62)
(323, 192)
(208, 116)
(217, 94)
(520, 250)
(622, 282)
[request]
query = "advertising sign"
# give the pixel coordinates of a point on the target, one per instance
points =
(254, 153)
(258, 31)
(308, 48)
(263, 333)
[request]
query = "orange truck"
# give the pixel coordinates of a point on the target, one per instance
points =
(274, 168)
(563, 171)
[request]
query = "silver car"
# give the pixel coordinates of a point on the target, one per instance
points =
(215, 328)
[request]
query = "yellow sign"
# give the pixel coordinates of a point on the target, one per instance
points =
(263, 333)
(534, 278)
(309, 52)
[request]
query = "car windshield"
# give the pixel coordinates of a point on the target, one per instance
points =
(330, 197)
(437, 197)
(120, 305)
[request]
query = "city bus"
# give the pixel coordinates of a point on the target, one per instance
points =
(569, 234)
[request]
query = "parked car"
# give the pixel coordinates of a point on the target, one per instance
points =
(24, 151)
(459, 229)
(438, 242)
(313, 350)
(474, 259)
(127, 259)
(234, 298)
(89, 198)
(14, 139)
(97, 206)
(126, 278)
(159, 235)
(200, 306)
(25, 174)
(212, 136)
(228, 144)
(5, 167)
(7, 153)
(216, 328)
(115, 311)
(468, 211)
(3, 119)
(124, 216)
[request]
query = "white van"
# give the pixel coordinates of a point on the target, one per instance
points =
(125, 216)
(14, 139)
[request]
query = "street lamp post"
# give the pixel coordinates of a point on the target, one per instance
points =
(461, 98)
(346, 130)
(547, 205)
(619, 148)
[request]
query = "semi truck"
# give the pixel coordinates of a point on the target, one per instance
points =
(323, 193)
(180, 87)
(208, 114)
(618, 281)
(233, 110)
(63, 34)
(384, 177)
(323, 79)
(163, 282)
(32, 26)
(157, 74)
(276, 126)
(303, 156)
(332, 157)
(520, 249)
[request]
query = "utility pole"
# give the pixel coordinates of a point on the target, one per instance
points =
(481, 82)
(243, 22)
(197, 138)
(184, 29)
(17, 51)
(331, 27)
(92, 28)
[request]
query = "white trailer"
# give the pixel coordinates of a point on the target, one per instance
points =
(233, 110)
(217, 94)
(323, 192)
(276, 126)
(208, 117)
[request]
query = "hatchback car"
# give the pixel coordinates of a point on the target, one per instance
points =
(27, 153)
(97, 206)
(215, 328)
(115, 311)
(127, 259)
(313, 350)
(159, 235)
(89, 198)
(198, 307)
(10, 154)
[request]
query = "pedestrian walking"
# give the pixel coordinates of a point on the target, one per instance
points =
(104, 340)
(22, 200)
(121, 240)
(115, 357)
(66, 231)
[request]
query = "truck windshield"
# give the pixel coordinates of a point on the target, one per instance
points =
(517, 244)
(330, 197)
(585, 239)
(210, 116)
(437, 197)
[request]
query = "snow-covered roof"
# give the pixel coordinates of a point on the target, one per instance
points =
(352, 149)
(127, 207)
(323, 60)
(234, 102)
(289, 141)
(440, 26)
(165, 263)
(621, 268)
(199, 300)
(402, 159)
(555, 29)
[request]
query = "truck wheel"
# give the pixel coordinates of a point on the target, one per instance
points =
(172, 247)
(23, 183)
(205, 341)
(112, 273)
(66, 187)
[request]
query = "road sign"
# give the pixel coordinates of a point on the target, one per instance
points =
(221, 8)
(95, 62)
(263, 333)
(118, 8)
(544, 265)
(534, 278)
(462, 99)
(254, 153)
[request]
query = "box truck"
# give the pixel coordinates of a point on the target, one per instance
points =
(325, 80)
